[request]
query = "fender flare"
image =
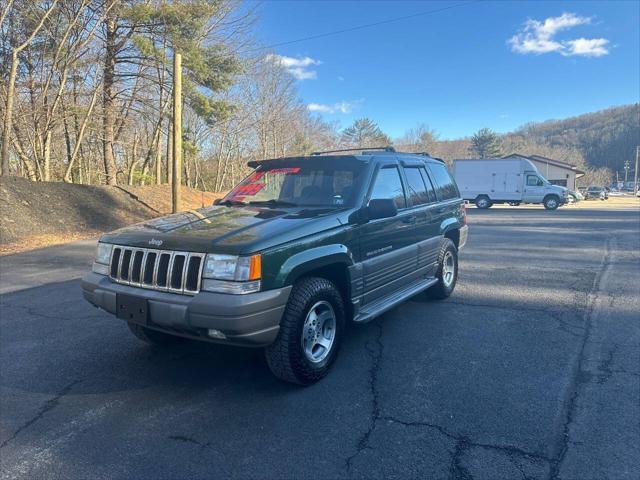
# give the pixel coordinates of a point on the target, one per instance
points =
(448, 225)
(306, 261)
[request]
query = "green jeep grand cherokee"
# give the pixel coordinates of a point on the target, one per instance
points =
(300, 247)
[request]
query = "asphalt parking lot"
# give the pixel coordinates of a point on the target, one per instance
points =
(530, 370)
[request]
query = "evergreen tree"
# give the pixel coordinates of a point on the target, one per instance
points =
(364, 133)
(485, 143)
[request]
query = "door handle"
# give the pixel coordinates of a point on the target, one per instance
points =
(410, 219)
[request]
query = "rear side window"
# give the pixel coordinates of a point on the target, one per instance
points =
(389, 185)
(417, 193)
(427, 181)
(445, 186)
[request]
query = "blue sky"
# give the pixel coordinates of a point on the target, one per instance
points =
(495, 64)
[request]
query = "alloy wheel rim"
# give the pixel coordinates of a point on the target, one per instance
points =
(448, 269)
(319, 331)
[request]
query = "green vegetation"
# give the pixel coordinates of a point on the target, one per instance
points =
(485, 143)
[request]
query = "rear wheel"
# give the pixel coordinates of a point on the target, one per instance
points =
(310, 333)
(447, 273)
(483, 202)
(551, 202)
(153, 337)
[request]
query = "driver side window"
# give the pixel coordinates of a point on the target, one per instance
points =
(533, 181)
(389, 185)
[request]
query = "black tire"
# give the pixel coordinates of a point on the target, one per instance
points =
(483, 202)
(153, 337)
(443, 289)
(551, 202)
(286, 356)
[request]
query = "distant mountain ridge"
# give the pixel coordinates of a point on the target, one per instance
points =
(605, 138)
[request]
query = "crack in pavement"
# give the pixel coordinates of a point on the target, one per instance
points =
(186, 439)
(579, 374)
(463, 443)
(375, 352)
(47, 407)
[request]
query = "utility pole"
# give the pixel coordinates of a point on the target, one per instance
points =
(176, 182)
(635, 173)
(626, 171)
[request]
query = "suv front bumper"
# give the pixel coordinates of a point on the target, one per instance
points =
(247, 320)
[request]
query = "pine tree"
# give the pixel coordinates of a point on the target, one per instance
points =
(364, 133)
(485, 143)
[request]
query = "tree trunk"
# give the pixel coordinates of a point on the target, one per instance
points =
(79, 138)
(8, 115)
(134, 159)
(170, 152)
(46, 156)
(159, 156)
(108, 102)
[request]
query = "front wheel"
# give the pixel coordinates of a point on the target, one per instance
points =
(551, 202)
(310, 333)
(447, 273)
(483, 202)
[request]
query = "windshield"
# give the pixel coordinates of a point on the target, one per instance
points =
(303, 183)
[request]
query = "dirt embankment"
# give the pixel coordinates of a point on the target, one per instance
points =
(37, 214)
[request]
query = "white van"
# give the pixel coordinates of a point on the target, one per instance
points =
(512, 181)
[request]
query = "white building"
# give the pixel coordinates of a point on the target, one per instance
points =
(557, 172)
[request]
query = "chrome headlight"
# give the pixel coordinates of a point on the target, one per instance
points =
(232, 273)
(102, 259)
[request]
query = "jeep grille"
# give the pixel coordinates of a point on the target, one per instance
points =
(165, 270)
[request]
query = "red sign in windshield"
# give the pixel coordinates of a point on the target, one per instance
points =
(252, 185)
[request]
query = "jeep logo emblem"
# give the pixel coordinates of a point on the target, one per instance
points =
(155, 242)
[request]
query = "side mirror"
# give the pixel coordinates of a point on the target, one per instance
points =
(381, 208)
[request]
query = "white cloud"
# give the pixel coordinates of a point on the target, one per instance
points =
(298, 67)
(338, 107)
(588, 47)
(538, 37)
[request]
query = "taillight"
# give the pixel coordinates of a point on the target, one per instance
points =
(464, 213)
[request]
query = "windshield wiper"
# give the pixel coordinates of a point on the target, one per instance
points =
(274, 202)
(231, 203)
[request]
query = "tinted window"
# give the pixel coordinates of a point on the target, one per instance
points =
(427, 181)
(389, 185)
(444, 184)
(417, 191)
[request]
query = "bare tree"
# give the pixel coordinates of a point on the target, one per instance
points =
(13, 72)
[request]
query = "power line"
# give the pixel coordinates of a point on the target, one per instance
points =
(366, 25)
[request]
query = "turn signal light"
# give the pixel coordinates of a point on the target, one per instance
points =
(255, 267)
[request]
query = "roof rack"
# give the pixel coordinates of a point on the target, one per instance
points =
(384, 149)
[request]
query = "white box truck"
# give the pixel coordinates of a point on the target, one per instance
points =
(512, 181)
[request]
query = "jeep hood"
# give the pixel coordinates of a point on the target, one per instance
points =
(225, 229)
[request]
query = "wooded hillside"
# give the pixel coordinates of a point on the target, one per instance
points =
(605, 138)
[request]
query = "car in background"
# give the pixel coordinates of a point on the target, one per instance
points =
(573, 197)
(594, 193)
